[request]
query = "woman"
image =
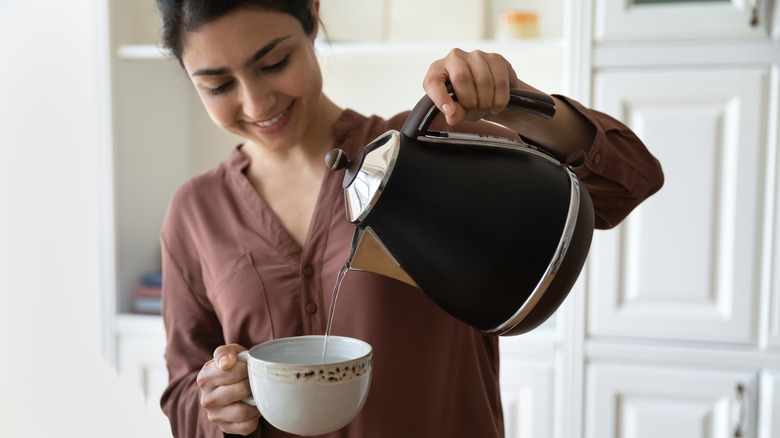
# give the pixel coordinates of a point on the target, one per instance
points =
(252, 248)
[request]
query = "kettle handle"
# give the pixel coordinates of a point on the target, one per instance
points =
(425, 111)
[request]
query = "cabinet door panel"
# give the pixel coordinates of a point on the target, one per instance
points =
(670, 20)
(683, 265)
(644, 402)
(769, 408)
(527, 390)
(774, 301)
(773, 229)
(141, 362)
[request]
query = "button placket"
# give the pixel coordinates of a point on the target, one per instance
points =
(311, 304)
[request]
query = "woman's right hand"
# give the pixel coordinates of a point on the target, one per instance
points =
(223, 383)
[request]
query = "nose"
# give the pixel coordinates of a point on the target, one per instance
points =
(257, 101)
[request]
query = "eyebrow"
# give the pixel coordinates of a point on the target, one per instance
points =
(257, 56)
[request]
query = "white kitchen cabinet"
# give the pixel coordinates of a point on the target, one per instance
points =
(528, 383)
(141, 362)
(527, 394)
(681, 307)
(647, 20)
(683, 265)
(628, 401)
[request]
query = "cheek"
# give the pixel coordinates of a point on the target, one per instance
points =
(220, 110)
(305, 80)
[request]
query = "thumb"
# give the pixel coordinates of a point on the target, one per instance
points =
(226, 356)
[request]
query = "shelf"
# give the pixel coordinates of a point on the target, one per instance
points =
(142, 51)
(137, 324)
(155, 52)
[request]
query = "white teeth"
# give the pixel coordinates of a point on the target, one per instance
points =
(271, 121)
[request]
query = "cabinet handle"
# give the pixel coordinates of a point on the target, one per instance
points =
(754, 13)
(739, 410)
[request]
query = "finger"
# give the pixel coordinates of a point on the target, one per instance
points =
(452, 69)
(210, 376)
(238, 418)
(504, 77)
(482, 78)
(227, 355)
(435, 86)
(460, 76)
(225, 395)
(237, 412)
(243, 428)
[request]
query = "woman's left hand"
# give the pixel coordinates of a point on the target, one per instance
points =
(481, 82)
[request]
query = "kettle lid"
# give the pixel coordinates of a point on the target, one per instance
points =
(367, 175)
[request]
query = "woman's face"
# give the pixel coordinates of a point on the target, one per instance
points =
(257, 75)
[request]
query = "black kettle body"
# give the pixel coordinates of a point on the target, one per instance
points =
(493, 230)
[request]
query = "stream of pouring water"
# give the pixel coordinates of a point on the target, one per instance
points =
(336, 289)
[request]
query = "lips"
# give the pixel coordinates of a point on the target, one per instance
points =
(275, 123)
(271, 121)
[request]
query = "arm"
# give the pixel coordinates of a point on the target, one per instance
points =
(619, 171)
(192, 332)
(206, 383)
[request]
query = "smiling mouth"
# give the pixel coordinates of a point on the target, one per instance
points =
(273, 120)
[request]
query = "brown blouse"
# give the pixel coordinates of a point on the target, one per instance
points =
(233, 274)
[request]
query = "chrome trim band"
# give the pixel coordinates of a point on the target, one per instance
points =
(555, 263)
(487, 141)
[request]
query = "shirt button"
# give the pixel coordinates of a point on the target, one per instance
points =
(311, 308)
(308, 271)
(596, 158)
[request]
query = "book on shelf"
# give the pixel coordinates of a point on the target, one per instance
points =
(147, 295)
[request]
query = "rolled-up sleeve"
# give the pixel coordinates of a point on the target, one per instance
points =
(619, 172)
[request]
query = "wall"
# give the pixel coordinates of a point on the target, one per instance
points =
(53, 379)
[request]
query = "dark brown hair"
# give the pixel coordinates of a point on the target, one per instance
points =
(182, 16)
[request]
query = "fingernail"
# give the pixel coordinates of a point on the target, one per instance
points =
(222, 361)
(446, 109)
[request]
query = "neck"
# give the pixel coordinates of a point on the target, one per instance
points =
(319, 138)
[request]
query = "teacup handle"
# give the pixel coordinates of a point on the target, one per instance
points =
(244, 357)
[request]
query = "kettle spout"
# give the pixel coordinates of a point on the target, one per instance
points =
(368, 253)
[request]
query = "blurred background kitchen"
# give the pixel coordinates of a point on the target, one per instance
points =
(673, 330)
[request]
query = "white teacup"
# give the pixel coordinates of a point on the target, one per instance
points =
(297, 393)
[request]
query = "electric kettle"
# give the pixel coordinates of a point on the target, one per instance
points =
(494, 231)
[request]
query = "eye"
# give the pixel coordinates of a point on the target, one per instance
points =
(276, 67)
(218, 90)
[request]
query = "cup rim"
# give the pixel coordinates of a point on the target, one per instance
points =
(367, 355)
